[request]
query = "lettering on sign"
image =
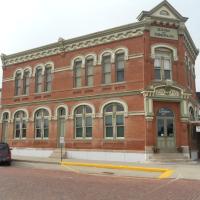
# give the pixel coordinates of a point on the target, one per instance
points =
(161, 32)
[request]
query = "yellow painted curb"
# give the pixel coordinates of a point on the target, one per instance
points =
(165, 172)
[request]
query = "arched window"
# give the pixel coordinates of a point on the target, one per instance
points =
(119, 66)
(83, 122)
(42, 124)
(106, 71)
(38, 80)
(114, 121)
(191, 114)
(89, 74)
(47, 78)
(18, 83)
(5, 120)
(20, 125)
(77, 73)
(26, 82)
(163, 64)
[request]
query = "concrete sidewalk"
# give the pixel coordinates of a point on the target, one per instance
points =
(186, 170)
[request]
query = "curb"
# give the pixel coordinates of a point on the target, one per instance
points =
(36, 161)
(165, 172)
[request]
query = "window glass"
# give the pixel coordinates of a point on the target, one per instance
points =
(83, 122)
(88, 131)
(120, 120)
(107, 78)
(88, 109)
(120, 131)
(78, 121)
(162, 64)
(109, 131)
(109, 108)
(120, 107)
(120, 76)
(88, 121)
(114, 120)
(108, 120)
(167, 65)
(79, 132)
(157, 74)
(157, 63)
(79, 110)
(106, 62)
(41, 124)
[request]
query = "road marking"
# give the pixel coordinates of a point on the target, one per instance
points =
(166, 173)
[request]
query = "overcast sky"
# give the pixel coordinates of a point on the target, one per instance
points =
(27, 24)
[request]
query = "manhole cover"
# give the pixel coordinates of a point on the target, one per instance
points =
(108, 173)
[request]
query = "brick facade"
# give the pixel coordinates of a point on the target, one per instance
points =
(140, 94)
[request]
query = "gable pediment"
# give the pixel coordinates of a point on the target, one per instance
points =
(164, 10)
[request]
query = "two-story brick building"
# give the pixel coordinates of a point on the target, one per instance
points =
(118, 94)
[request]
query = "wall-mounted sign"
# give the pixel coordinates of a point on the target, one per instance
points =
(197, 128)
(161, 32)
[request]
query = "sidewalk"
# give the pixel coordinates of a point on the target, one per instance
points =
(187, 170)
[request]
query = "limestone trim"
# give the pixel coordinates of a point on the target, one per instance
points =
(82, 104)
(162, 45)
(123, 103)
(9, 115)
(122, 50)
(8, 79)
(106, 52)
(42, 107)
(20, 109)
(61, 106)
(91, 56)
(78, 58)
(29, 69)
(16, 71)
(80, 98)
(39, 66)
(51, 64)
(136, 113)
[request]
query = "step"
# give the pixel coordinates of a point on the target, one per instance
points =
(169, 157)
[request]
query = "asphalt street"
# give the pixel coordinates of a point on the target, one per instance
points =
(23, 181)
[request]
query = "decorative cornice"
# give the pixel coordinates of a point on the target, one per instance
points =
(110, 35)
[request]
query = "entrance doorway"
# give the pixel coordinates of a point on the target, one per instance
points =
(5, 127)
(165, 130)
(61, 124)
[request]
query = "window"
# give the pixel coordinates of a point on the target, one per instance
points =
(42, 124)
(38, 80)
(114, 121)
(119, 67)
(77, 73)
(47, 79)
(20, 125)
(163, 65)
(106, 64)
(89, 72)
(191, 114)
(26, 82)
(18, 84)
(83, 122)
